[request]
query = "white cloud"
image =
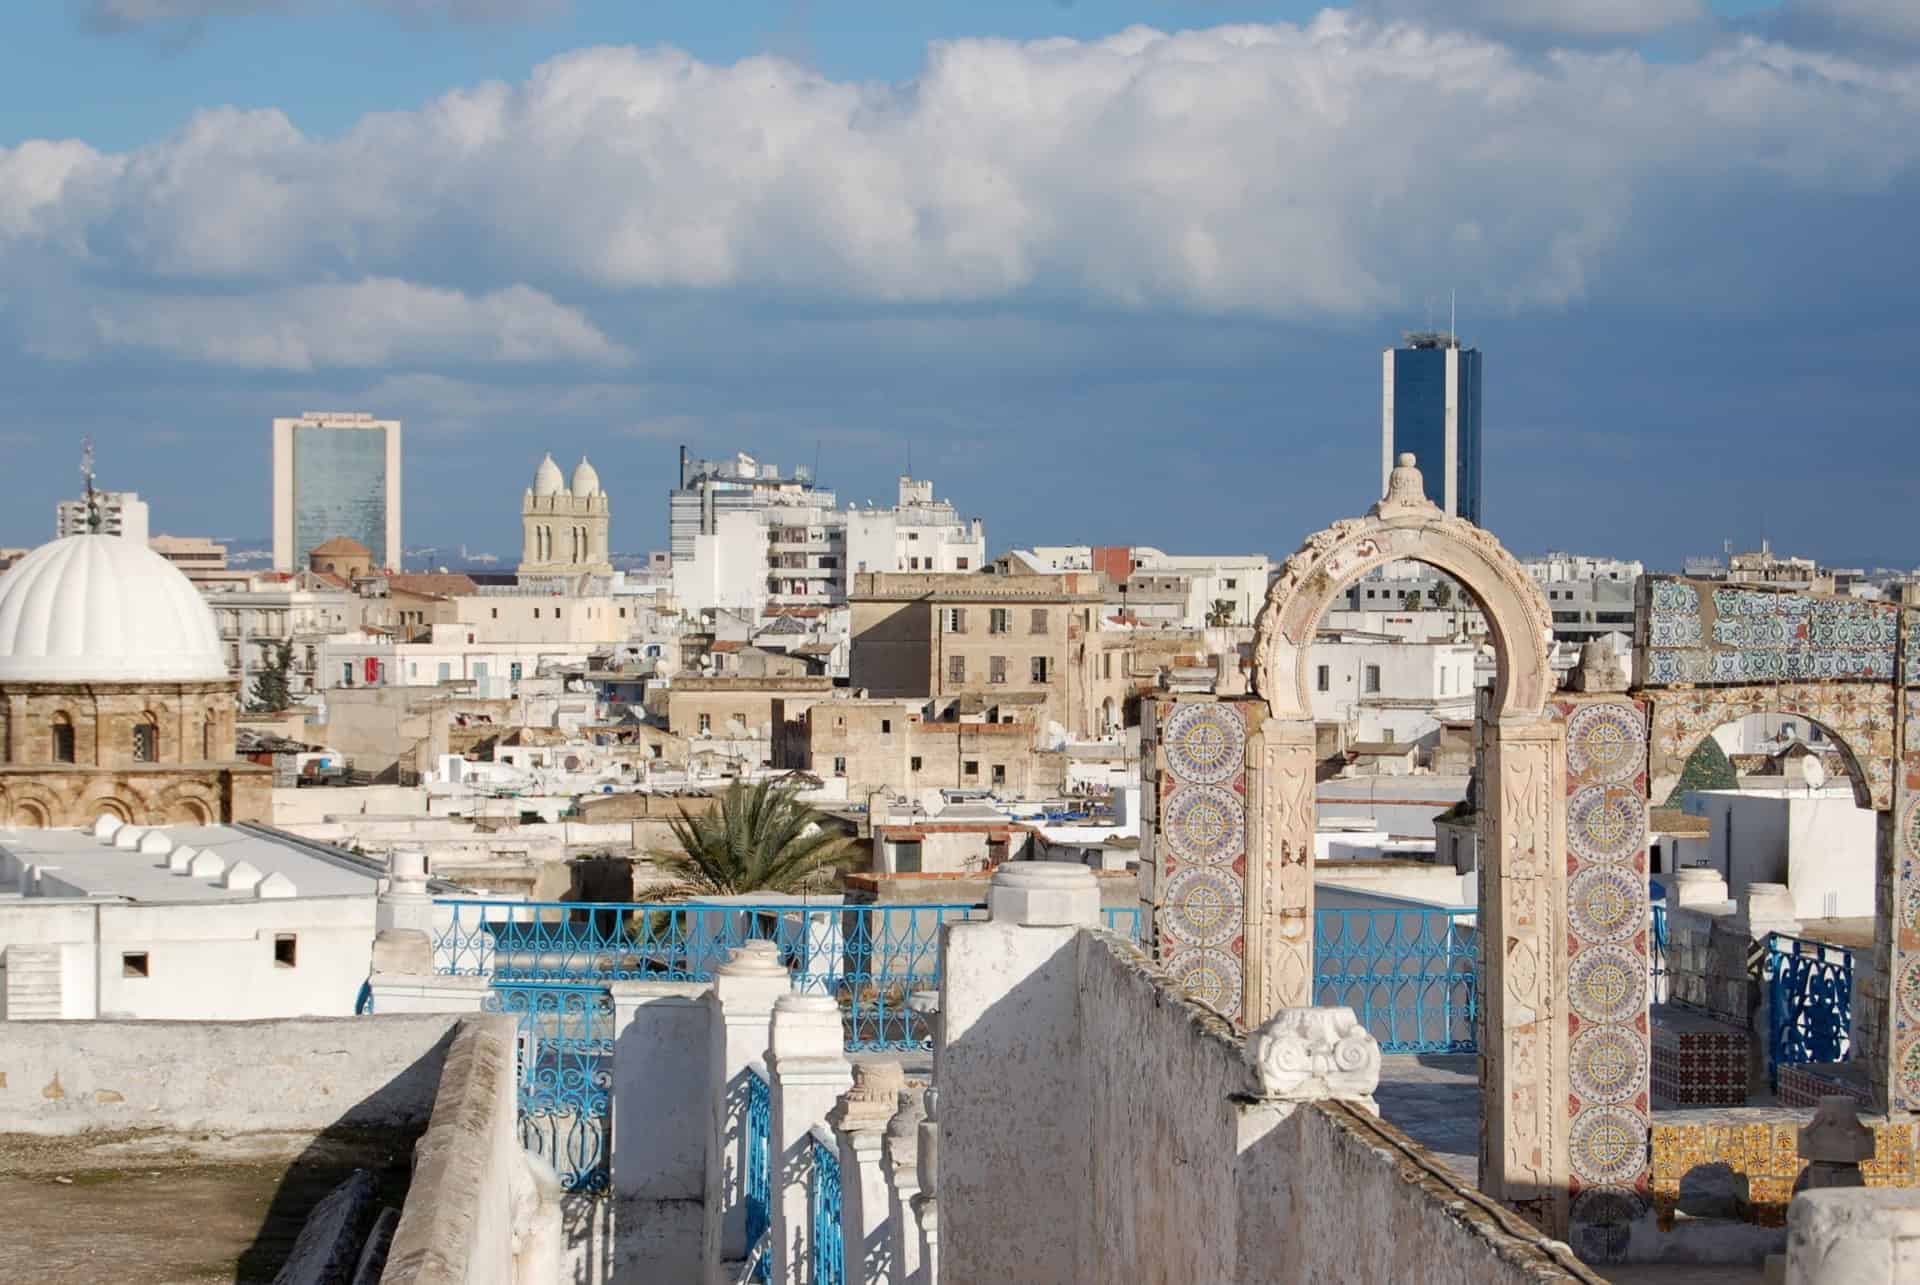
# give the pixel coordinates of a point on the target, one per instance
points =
(1336, 170)
(376, 322)
(1574, 19)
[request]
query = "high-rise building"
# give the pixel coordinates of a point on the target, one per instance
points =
(122, 513)
(1430, 407)
(335, 473)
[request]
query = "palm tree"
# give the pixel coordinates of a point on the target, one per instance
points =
(760, 839)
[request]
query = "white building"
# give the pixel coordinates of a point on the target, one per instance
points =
(1384, 690)
(1813, 838)
(919, 533)
(1588, 596)
(726, 568)
(195, 923)
(122, 513)
(257, 617)
(1218, 590)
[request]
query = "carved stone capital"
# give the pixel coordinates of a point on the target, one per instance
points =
(1311, 1054)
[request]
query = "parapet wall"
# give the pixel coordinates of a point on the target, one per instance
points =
(244, 1077)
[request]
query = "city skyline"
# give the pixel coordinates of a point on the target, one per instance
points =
(1078, 338)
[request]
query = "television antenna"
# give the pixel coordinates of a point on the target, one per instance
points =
(93, 496)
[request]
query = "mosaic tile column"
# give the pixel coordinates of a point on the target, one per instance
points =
(1895, 1066)
(1609, 1041)
(1523, 1046)
(1195, 847)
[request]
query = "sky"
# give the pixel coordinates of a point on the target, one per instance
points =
(1109, 272)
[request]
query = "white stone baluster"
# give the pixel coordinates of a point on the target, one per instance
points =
(807, 1070)
(745, 990)
(902, 1159)
(860, 1122)
(1316, 1055)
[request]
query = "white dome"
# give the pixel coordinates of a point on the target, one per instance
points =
(547, 479)
(97, 608)
(586, 482)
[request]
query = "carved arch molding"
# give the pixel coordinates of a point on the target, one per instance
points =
(1523, 1030)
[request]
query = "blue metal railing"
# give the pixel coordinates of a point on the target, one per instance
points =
(1657, 952)
(1124, 920)
(1407, 974)
(759, 1172)
(826, 1237)
(1810, 999)
(363, 1002)
(565, 1075)
(869, 957)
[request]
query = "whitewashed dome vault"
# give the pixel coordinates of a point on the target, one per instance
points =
(97, 608)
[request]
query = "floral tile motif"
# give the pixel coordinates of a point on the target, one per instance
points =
(1199, 850)
(1701, 633)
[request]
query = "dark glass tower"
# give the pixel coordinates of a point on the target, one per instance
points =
(1430, 406)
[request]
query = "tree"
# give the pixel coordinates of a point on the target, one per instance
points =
(1708, 768)
(1221, 614)
(760, 838)
(1443, 594)
(271, 694)
(1412, 602)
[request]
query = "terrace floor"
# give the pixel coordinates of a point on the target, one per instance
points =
(176, 1209)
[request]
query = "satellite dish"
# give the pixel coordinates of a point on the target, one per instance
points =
(1814, 772)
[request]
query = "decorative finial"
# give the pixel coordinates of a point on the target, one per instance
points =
(93, 496)
(1405, 488)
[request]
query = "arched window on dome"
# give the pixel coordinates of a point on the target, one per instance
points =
(62, 725)
(146, 740)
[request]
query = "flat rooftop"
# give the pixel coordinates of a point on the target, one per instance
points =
(74, 863)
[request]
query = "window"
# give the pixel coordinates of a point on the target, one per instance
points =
(1040, 669)
(1000, 620)
(956, 620)
(496, 613)
(208, 735)
(839, 766)
(1373, 678)
(1231, 584)
(970, 768)
(134, 964)
(956, 669)
(1106, 665)
(997, 669)
(959, 564)
(706, 723)
(913, 535)
(286, 948)
(445, 671)
(913, 764)
(62, 739)
(913, 564)
(1322, 678)
(146, 740)
(556, 613)
(886, 727)
(513, 671)
(623, 613)
(1039, 625)
(999, 773)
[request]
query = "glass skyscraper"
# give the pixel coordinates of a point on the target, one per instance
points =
(335, 474)
(1430, 406)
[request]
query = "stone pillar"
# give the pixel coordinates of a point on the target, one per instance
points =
(405, 904)
(1279, 945)
(1315, 1055)
(902, 1160)
(1854, 1236)
(807, 1072)
(1523, 935)
(1012, 1117)
(860, 1123)
(926, 1205)
(1696, 886)
(745, 990)
(1834, 1143)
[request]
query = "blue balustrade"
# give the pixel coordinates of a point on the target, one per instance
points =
(1124, 920)
(565, 1074)
(1810, 999)
(759, 1172)
(1657, 952)
(363, 1002)
(825, 1236)
(1407, 974)
(869, 957)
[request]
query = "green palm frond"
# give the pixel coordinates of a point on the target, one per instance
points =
(760, 839)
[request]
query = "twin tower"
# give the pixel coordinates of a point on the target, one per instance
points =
(564, 527)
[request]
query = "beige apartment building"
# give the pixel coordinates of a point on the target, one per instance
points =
(1003, 639)
(891, 747)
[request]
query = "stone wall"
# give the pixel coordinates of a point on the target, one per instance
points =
(288, 1074)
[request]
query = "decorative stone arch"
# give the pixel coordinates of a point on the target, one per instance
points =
(91, 806)
(1522, 915)
(29, 806)
(1858, 717)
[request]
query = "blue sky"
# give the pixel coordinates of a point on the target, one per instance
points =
(1113, 285)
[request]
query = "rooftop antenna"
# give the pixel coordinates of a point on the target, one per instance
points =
(93, 496)
(1453, 335)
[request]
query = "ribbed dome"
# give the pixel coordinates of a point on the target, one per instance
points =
(547, 479)
(586, 482)
(97, 608)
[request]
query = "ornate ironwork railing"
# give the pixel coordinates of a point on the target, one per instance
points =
(826, 1237)
(1407, 974)
(565, 1074)
(759, 1172)
(869, 957)
(1810, 1000)
(1124, 920)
